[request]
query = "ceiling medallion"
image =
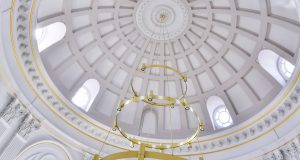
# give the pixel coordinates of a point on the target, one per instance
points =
(176, 18)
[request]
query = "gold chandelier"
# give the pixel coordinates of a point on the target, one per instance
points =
(154, 100)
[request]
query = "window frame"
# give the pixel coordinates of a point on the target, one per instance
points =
(215, 120)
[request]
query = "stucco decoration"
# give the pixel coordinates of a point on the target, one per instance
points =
(44, 150)
(12, 111)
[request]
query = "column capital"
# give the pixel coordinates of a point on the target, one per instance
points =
(28, 126)
(14, 110)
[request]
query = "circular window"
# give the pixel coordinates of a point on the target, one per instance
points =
(286, 69)
(222, 117)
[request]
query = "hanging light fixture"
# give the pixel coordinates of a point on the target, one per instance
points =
(155, 100)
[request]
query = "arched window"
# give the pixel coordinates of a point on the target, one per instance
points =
(149, 124)
(218, 112)
(285, 68)
(49, 35)
(279, 68)
(86, 95)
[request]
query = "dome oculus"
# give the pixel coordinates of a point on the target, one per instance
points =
(162, 20)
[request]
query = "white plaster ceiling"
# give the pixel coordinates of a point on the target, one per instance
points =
(216, 44)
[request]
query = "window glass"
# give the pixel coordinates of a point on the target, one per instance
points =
(219, 114)
(82, 97)
(279, 68)
(86, 95)
(222, 117)
(49, 35)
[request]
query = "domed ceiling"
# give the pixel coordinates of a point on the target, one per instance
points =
(218, 44)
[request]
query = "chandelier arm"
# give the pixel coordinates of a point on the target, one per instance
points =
(182, 76)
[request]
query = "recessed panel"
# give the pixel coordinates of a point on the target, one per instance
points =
(239, 98)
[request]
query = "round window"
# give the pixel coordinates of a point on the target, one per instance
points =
(222, 117)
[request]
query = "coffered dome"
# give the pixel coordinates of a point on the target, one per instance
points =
(238, 55)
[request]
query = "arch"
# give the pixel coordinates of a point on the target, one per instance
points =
(86, 95)
(279, 68)
(49, 35)
(45, 150)
(218, 112)
(149, 122)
